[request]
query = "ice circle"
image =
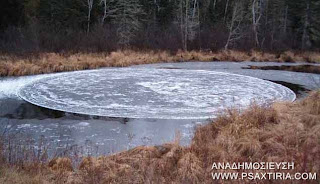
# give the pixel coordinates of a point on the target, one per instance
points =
(151, 93)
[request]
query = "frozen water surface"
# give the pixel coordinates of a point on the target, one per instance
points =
(112, 134)
(151, 93)
(307, 80)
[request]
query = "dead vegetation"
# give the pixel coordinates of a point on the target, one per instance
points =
(283, 132)
(293, 68)
(53, 62)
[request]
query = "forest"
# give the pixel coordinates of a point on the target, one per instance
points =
(41, 143)
(32, 26)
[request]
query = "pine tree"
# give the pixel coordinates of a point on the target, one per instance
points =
(128, 20)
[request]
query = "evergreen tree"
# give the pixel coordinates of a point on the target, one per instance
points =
(128, 19)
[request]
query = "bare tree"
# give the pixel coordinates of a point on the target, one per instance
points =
(285, 20)
(225, 11)
(183, 16)
(194, 22)
(305, 35)
(186, 21)
(90, 5)
(234, 25)
(214, 4)
(104, 2)
(257, 12)
(189, 18)
(107, 10)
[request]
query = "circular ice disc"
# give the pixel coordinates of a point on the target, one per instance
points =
(151, 93)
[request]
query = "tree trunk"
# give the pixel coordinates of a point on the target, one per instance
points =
(199, 31)
(225, 11)
(305, 36)
(255, 22)
(90, 4)
(285, 20)
(256, 37)
(181, 23)
(105, 11)
(185, 47)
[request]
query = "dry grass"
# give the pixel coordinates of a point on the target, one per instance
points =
(294, 68)
(282, 132)
(13, 176)
(52, 62)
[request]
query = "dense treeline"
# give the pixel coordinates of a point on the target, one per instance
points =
(106, 25)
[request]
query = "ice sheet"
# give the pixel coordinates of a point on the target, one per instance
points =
(150, 93)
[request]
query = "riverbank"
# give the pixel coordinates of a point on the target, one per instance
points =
(299, 68)
(54, 62)
(283, 132)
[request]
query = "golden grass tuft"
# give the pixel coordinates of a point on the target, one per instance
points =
(12, 175)
(189, 168)
(58, 164)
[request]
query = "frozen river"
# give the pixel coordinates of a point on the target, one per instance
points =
(149, 104)
(151, 93)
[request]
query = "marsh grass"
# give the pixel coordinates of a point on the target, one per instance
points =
(282, 132)
(53, 62)
(299, 68)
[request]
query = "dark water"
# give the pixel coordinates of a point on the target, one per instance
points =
(294, 68)
(101, 135)
(299, 90)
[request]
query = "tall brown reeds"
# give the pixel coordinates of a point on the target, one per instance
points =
(54, 62)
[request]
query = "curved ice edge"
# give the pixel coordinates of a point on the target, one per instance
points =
(139, 117)
(267, 81)
(131, 117)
